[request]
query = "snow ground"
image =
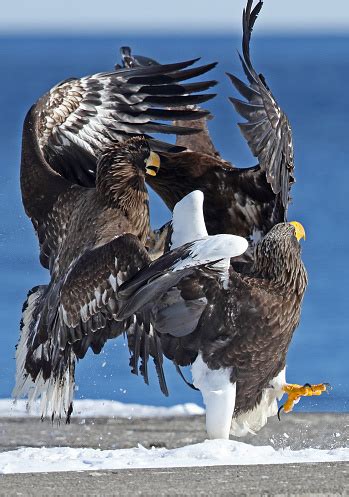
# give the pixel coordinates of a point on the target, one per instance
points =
(208, 453)
(87, 408)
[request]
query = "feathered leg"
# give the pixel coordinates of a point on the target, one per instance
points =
(219, 397)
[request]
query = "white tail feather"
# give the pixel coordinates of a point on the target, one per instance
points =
(188, 225)
(56, 393)
(23, 381)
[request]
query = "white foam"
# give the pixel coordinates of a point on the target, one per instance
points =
(208, 453)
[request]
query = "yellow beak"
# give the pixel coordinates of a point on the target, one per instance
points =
(152, 165)
(299, 229)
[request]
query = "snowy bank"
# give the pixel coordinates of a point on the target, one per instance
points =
(101, 408)
(208, 453)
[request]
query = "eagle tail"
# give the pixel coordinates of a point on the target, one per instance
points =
(42, 369)
(144, 342)
(158, 361)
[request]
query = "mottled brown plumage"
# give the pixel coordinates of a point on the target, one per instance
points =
(85, 143)
(92, 240)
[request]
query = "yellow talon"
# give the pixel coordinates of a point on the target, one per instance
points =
(295, 392)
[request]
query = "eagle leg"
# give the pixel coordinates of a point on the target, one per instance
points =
(295, 392)
(218, 394)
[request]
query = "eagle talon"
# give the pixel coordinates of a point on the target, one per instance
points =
(295, 392)
(279, 411)
(308, 385)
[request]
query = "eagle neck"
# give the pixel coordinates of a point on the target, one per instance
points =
(121, 185)
(282, 266)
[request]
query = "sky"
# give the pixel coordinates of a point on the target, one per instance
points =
(159, 16)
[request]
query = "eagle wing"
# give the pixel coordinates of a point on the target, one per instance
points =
(202, 141)
(267, 130)
(62, 320)
(66, 130)
(81, 311)
(80, 116)
(88, 295)
(244, 201)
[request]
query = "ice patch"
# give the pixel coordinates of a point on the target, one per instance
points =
(208, 453)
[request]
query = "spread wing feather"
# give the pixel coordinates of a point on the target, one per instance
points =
(80, 312)
(66, 130)
(88, 294)
(267, 130)
(78, 117)
(89, 304)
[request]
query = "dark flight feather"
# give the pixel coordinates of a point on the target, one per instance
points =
(267, 131)
(249, 201)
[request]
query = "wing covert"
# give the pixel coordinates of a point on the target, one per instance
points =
(90, 287)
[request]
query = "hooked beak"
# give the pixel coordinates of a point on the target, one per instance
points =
(299, 230)
(152, 164)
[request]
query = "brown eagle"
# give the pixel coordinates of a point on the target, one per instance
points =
(85, 154)
(248, 201)
(233, 326)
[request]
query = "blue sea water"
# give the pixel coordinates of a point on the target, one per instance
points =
(309, 77)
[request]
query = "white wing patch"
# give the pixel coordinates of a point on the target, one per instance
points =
(188, 220)
(113, 282)
(213, 248)
(188, 224)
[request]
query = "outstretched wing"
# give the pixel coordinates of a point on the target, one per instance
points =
(267, 129)
(198, 142)
(246, 201)
(79, 117)
(62, 320)
(66, 130)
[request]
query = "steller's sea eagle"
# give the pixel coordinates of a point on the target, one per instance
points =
(84, 161)
(233, 326)
(248, 201)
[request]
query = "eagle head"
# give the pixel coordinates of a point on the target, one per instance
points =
(137, 151)
(278, 257)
